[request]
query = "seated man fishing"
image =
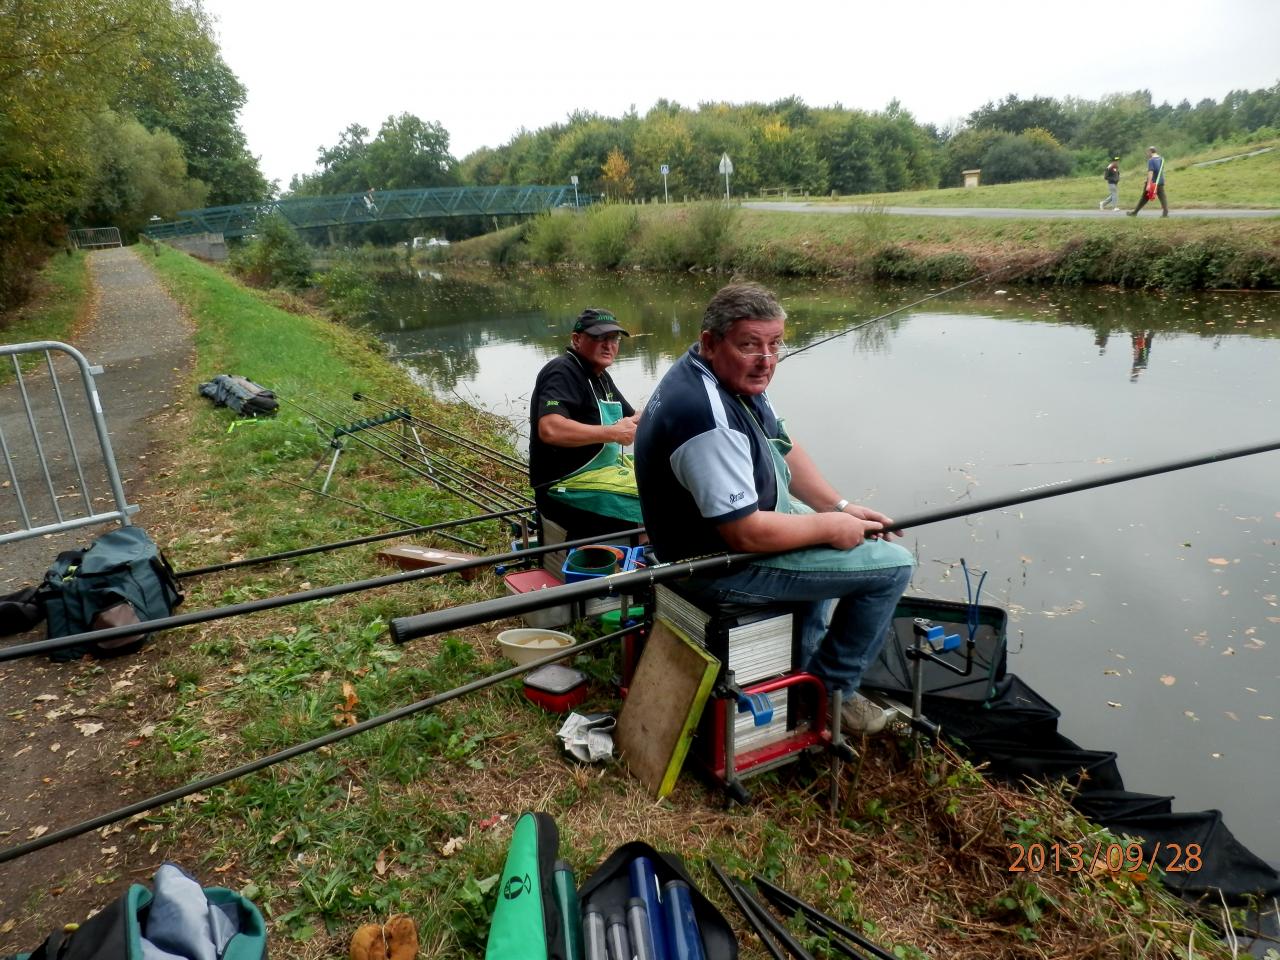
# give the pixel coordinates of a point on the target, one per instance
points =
(718, 472)
(579, 421)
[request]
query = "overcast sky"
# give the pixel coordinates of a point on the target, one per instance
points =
(485, 69)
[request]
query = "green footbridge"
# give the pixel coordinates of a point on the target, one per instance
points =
(375, 206)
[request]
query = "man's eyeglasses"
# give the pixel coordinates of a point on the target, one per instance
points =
(774, 351)
(614, 337)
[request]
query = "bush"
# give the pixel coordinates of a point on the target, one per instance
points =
(550, 237)
(1028, 156)
(275, 257)
(349, 287)
(606, 235)
(710, 225)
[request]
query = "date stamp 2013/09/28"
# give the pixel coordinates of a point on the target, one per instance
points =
(1109, 857)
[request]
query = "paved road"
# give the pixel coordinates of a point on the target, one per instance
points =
(992, 213)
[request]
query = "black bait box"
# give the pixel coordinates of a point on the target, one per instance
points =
(556, 688)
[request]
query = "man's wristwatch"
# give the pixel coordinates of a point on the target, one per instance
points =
(840, 505)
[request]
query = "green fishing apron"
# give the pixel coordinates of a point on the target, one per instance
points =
(868, 555)
(605, 485)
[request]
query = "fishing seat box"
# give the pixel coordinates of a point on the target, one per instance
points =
(788, 713)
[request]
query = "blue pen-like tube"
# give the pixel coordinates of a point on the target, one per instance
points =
(683, 936)
(644, 885)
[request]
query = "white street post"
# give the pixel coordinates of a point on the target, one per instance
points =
(574, 181)
(665, 170)
(726, 167)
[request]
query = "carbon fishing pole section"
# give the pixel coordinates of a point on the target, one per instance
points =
(354, 542)
(19, 651)
(404, 629)
(289, 753)
(893, 313)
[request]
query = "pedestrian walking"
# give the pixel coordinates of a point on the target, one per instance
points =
(1112, 176)
(1155, 184)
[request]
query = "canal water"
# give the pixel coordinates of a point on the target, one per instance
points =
(1148, 612)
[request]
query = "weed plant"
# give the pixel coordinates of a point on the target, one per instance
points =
(549, 238)
(606, 235)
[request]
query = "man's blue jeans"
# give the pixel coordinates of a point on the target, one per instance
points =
(864, 604)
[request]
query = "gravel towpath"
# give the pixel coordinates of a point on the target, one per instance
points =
(65, 729)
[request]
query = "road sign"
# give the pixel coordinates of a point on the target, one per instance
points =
(664, 169)
(574, 179)
(726, 165)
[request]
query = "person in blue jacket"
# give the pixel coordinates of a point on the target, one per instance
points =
(1155, 175)
(718, 472)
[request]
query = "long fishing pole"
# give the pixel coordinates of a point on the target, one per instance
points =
(400, 444)
(18, 651)
(404, 629)
(376, 512)
(262, 763)
(466, 442)
(891, 313)
(354, 542)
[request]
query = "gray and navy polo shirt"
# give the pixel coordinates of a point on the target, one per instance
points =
(700, 461)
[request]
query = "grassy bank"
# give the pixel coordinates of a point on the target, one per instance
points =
(60, 301)
(1244, 182)
(416, 816)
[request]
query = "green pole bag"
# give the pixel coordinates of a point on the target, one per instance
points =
(526, 922)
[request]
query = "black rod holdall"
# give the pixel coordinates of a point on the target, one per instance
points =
(609, 889)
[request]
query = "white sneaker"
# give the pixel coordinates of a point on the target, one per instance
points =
(858, 715)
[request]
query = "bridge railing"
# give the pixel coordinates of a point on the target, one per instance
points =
(373, 206)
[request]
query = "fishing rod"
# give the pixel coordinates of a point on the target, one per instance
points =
(466, 442)
(376, 512)
(427, 474)
(335, 736)
(18, 651)
(404, 629)
(891, 313)
(340, 544)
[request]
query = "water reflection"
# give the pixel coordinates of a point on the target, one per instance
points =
(1148, 612)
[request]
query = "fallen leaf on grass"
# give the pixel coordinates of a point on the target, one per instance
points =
(38, 832)
(45, 697)
(451, 847)
(55, 747)
(88, 729)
